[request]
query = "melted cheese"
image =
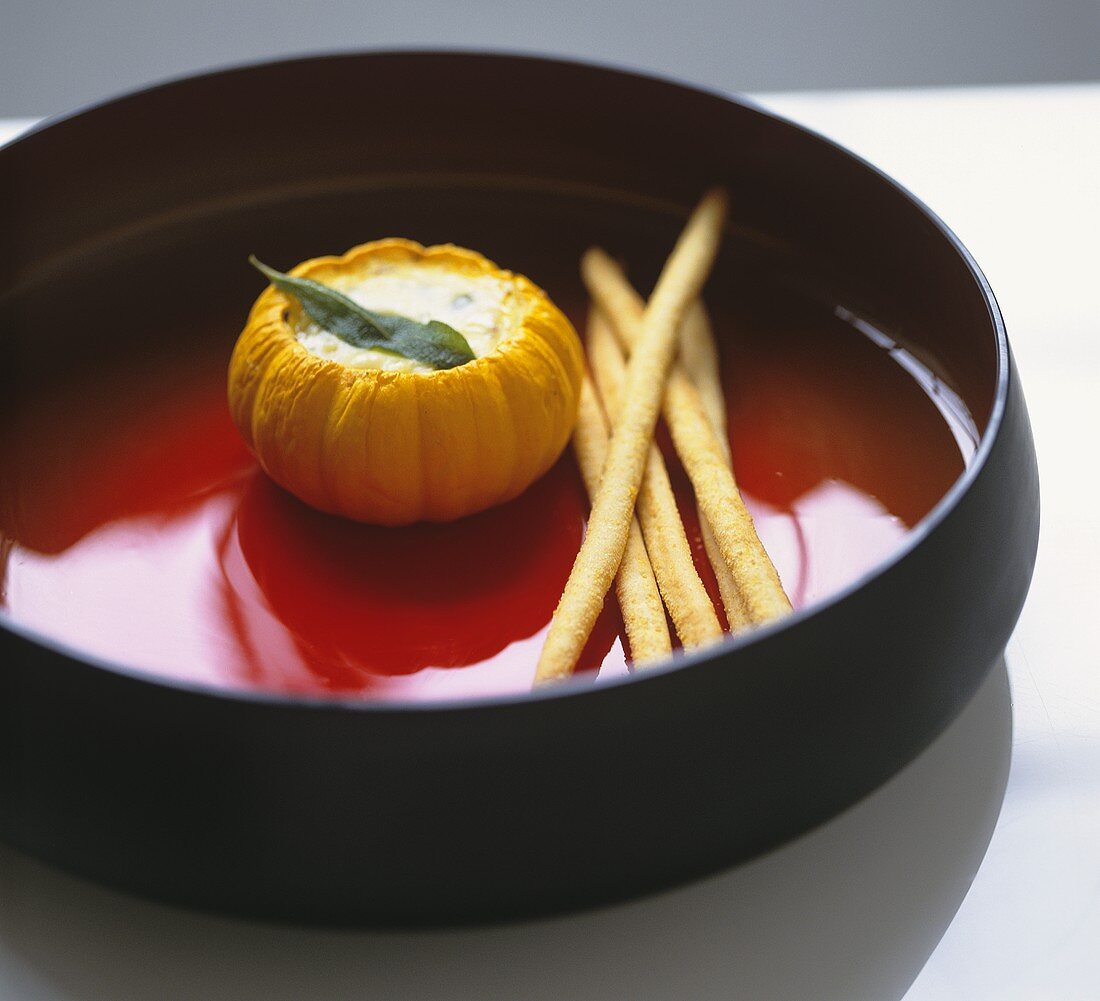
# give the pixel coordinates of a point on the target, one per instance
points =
(473, 304)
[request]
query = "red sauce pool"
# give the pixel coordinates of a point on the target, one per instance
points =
(135, 526)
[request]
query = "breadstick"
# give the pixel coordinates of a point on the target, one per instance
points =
(680, 283)
(670, 553)
(635, 585)
(699, 450)
(699, 359)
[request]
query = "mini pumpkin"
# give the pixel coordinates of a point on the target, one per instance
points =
(384, 440)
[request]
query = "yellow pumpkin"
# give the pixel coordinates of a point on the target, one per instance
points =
(394, 447)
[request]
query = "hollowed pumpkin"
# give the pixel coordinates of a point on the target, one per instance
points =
(395, 447)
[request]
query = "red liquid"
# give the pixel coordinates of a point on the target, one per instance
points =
(134, 525)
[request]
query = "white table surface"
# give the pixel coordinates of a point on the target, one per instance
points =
(883, 902)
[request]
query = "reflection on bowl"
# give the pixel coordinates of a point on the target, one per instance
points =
(363, 601)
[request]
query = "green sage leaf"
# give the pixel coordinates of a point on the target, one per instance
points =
(434, 343)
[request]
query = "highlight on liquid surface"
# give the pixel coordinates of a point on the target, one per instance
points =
(136, 527)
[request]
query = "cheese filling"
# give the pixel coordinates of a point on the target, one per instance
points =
(475, 305)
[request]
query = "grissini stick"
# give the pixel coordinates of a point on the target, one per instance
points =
(699, 449)
(635, 586)
(596, 564)
(685, 596)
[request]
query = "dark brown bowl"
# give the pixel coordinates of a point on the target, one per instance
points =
(344, 811)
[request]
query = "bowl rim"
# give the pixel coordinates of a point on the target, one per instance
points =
(573, 687)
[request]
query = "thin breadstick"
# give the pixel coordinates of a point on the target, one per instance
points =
(601, 552)
(699, 359)
(635, 585)
(698, 448)
(669, 551)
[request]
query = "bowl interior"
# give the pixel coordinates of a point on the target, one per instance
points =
(857, 387)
